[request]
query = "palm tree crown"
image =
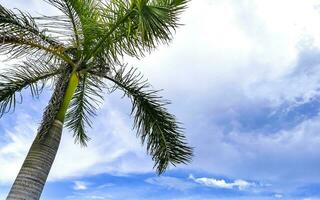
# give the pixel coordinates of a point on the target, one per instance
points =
(81, 53)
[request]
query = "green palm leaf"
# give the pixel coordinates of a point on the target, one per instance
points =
(20, 36)
(84, 16)
(84, 105)
(155, 125)
(137, 26)
(33, 74)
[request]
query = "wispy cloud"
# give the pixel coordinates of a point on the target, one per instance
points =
(88, 197)
(278, 196)
(171, 182)
(80, 185)
(14, 147)
(221, 183)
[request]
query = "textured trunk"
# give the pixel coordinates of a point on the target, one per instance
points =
(35, 169)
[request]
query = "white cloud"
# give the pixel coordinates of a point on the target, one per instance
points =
(171, 182)
(14, 147)
(278, 196)
(239, 47)
(221, 183)
(105, 185)
(34, 7)
(80, 185)
(97, 197)
(281, 157)
(88, 197)
(311, 198)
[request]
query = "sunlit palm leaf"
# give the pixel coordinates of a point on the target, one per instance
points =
(137, 26)
(19, 36)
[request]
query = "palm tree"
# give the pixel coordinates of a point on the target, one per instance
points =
(81, 54)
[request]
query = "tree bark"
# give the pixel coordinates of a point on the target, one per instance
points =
(35, 169)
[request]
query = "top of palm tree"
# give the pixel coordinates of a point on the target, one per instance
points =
(90, 37)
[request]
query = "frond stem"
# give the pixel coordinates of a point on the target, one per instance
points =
(55, 51)
(75, 30)
(102, 40)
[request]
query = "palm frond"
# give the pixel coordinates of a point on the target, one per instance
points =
(155, 125)
(58, 27)
(22, 22)
(83, 107)
(84, 16)
(20, 35)
(74, 21)
(137, 26)
(154, 20)
(32, 74)
(113, 14)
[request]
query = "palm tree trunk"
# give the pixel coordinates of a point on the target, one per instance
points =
(35, 169)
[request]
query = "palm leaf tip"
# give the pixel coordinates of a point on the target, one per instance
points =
(156, 127)
(164, 138)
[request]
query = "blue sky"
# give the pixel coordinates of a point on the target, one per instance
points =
(243, 78)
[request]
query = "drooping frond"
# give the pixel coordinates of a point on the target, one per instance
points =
(83, 107)
(19, 36)
(31, 74)
(155, 125)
